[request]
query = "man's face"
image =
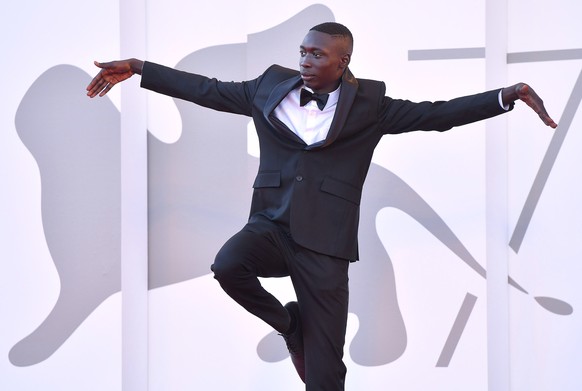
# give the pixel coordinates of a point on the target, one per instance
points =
(323, 61)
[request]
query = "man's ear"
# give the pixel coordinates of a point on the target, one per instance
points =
(345, 60)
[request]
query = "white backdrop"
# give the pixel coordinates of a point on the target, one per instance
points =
(199, 339)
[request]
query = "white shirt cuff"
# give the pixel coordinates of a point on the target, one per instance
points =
(500, 97)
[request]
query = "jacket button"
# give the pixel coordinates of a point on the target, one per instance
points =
(299, 178)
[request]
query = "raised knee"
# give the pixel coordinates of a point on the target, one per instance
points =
(224, 269)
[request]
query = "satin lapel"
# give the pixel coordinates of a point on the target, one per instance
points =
(344, 104)
(277, 94)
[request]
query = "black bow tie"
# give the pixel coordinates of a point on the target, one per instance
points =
(306, 96)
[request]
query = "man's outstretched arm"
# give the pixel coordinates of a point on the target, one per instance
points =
(525, 93)
(112, 73)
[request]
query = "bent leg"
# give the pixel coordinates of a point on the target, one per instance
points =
(253, 252)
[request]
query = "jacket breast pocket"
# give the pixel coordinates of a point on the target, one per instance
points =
(341, 189)
(267, 179)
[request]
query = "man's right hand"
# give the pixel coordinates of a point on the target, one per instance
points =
(112, 73)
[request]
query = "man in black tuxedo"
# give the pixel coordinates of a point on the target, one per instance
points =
(317, 129)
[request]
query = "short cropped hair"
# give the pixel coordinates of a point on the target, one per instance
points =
(335, 30)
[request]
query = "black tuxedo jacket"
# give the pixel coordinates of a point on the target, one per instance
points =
(314, 191)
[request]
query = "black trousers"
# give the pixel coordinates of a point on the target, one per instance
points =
(263, 249)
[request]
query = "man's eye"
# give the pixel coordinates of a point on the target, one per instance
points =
(302, 53)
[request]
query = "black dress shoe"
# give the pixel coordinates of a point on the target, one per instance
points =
(294, 341)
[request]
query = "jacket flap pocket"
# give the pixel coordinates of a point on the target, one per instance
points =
(267, 179)
(341, 189)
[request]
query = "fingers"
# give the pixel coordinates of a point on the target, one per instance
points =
(548, 121)
(106, 89)
(98, 83)
(110, 74)
(529, 96)
(93, 85)
(99, 86)
(103, 82)
(104, 65)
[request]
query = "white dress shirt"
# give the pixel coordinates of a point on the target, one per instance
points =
(307, 122)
